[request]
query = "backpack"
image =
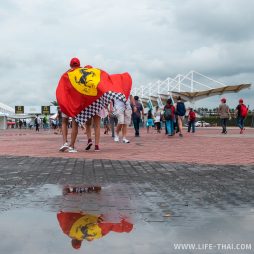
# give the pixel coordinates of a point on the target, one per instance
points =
(168, 115)
(244, 111)
(180, 109)
(192, 116)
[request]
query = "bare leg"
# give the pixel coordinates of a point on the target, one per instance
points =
(119, 128)
(74, 132)
(88, 129)
(97, 121)
(180, 125)
(124, 130)
(65, 129)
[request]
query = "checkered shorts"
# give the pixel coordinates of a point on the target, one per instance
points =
(99, 104)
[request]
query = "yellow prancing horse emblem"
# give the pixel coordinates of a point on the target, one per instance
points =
(85, 81)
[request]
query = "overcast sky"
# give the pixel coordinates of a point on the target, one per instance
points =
(150, 39)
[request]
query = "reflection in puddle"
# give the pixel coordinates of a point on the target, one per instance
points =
(37, 229)
(70, 189)
(82, 226)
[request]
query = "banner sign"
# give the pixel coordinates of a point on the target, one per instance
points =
(19, 109)
(45, 110)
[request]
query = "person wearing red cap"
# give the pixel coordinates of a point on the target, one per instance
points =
(241, 112)
(74, 64)
(224, 114)
(81, 226)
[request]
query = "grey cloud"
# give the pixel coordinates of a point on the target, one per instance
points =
(220, 20)
(150, 39)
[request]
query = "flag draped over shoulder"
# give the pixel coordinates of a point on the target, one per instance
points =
(83, 92)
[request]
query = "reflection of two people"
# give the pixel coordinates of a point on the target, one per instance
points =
(80, 226)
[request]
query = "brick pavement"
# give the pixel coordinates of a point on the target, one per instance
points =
(206, 146)
(198, 197)
(146, 189)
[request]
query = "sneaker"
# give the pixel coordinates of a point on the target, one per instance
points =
(89, 144)
(64, 147)
(116, 138)
(180, 135)
(96, 149)
(241, 131)
(126, 141)
(72, 150)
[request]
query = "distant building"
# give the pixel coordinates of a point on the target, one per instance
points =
(4, 109)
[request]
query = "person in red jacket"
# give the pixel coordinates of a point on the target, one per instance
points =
(169, 116)
(81, 226)
(241, 113)
(191, 120)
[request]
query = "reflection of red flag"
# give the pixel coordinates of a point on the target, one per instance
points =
(82, 226)
(66, 220)
(82, 87)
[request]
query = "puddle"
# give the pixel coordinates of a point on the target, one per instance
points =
(46, 221)
(37, 231)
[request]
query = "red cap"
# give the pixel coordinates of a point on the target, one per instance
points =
(127, 226)
(74, 62)
(241, 101)
(223, 100)
(88, 66)
(76, 244)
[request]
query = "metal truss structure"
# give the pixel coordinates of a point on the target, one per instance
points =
(191, 87)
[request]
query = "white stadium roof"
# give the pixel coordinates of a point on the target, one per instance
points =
(6, 109)
(191, 87)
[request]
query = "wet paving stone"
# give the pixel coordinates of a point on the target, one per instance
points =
(167, 204)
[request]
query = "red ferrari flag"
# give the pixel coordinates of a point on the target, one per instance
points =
(81, 226)
(83, 92)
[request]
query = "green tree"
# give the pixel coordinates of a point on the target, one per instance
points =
(54, 103)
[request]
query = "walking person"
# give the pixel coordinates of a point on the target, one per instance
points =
(157, 120)
(191, 120)
(137, 114)
(59, 121)
(252, 118)
(112, 117)
(20, 123)
(74, 64)
(180, 112)
(241, 113)
(123, 113)
(106, 124)
(169, 115)
(37, 122)
(149, 122)
(224, 115)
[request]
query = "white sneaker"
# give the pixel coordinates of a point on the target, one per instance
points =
(71, 150)
(126, 141)
(64, 147)
(116, 138)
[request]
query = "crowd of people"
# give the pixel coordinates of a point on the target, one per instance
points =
(118, 115)
(240, 114)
